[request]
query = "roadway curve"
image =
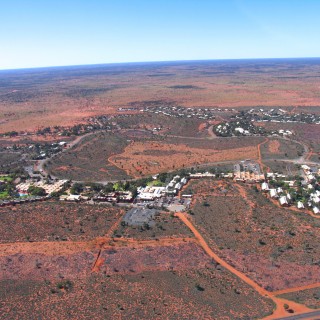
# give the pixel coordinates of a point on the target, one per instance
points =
(280, 310)
(300, 160)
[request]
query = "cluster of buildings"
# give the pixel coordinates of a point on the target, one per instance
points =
(151, 193)
(309, 173)
(285, 133)
(278, 193)
(279, 115)
(117, 196)
(10, 202)
(111, 197)
(181, 112)
(307, 196)
(54, 186)
(248, 171)
(238, 128)
(242, 124)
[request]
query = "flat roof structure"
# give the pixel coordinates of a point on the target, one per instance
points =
(248, 170)
(140, 217)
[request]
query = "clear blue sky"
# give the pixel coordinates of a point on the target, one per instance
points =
(69, 32)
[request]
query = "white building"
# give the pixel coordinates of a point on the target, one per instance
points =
(300, 205)
(273, 193)
(283, 201)
(264, 186)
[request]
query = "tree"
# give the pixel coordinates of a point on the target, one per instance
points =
(108, 188)
(95, 186)
(77, 188)
(36, 191)
(163, 176)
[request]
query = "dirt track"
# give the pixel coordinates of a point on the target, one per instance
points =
(280, 310)
(284, 291)
(262, 165)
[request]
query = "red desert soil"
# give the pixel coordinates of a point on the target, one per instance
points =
(144, 158)
(280, 309)
(205, 293)
(61, 97)
(272, 245)
(74, 260)
(274, 146)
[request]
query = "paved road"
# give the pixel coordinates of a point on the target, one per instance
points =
(314, 315)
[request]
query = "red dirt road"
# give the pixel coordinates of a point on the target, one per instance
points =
(307, 287)
(280, 310)
(262, 165)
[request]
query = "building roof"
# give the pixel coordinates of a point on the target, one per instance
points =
(300, 205)
(140, 216)
(283, 200)
(273, 193)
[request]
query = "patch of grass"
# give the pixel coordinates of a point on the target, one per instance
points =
(6, 178)
(4, 194)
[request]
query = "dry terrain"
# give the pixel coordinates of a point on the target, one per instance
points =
(91, 275)
(309, 297)
(276, 247)
(281, 149)
(303, 132)
(166, 225)
(149, 157)
(62, 96)
(137, 153)
(88, 160)
(209, 293)
(286, 168)
(52, 221)
(233, 255)
(189, 127)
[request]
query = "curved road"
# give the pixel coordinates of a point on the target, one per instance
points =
(300, 160)
(280, 310)
(280, 313)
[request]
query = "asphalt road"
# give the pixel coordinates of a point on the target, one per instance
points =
(314, 315)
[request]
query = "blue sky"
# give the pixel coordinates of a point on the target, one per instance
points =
(35, 33)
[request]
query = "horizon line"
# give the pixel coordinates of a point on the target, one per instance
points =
(151, 62)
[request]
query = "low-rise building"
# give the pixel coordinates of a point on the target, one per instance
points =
(200, 175)
(283, 201)
(264, 186)
(140, 217)
(300, 205)
(273, 193)
(150, 193)
(248, 171)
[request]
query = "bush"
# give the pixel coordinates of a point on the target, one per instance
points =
(36, 191)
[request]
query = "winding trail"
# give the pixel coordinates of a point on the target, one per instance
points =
(280, 303)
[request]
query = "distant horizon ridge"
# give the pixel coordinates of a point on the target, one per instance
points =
(158, 62)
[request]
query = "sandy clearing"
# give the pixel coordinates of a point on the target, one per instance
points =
(144, 158)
